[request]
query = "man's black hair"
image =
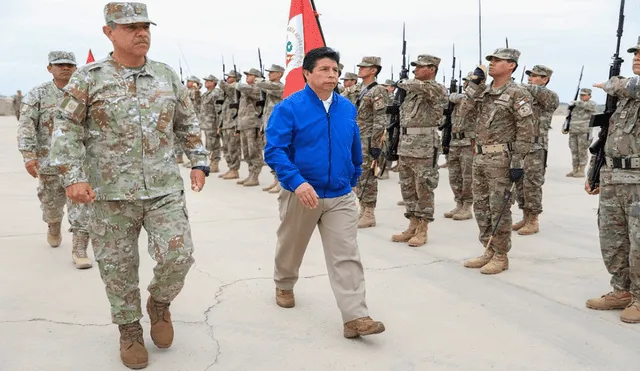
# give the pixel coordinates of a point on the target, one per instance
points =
(312, 57)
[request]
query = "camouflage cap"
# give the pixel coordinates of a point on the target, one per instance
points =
(211, 78)
(60, 57)
(468, 77)
(275, 68)
(194, 79)
(233, 73)
(585, 91)
(634, 49)
(126, 13)
(426, 60)
(540, 70)
(350, 76)
(254, 71)
(370, 62)
(505, 53)
(389, 82)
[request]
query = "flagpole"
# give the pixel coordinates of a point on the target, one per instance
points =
(315, 13)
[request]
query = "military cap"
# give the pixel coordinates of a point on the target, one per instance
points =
(468, 77)
(585, 91)
(126, 13)
(194, 79)
(60, 57)
(254, 71)
(211, 78)
(505, 53)
(426, 60)
(275, 68)
(634, 49)
(350, 76)
(370, 62)
(540, 70)
(233, 73)
(389, 82)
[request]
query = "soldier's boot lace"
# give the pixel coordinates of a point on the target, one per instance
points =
(132, 350)
(450, 214)
(617, 299)
(464, 213)
(481, 260)
(631, 314)
(531, 226)
(406, 235)
(161, 326)
(498, 263)
(79, 250)
(54, 235)
(421, 237)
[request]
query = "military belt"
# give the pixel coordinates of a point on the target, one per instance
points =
(493, 148)
(462, 135)
(418, 131)
(623, 163)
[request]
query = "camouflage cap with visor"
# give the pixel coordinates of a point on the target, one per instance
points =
(126, 13)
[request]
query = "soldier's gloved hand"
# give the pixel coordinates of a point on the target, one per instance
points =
(32, 167)
(516, 174)
(375, 152)
(80, 193)
(479, 74)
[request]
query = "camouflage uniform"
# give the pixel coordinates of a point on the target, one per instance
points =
(249, 125)
(619, 206)
(580, 133)
(34, 142)
(16, 104)
(209, 121)
(420, 116)
(352, 92)
(273, 91)
(230, 140)
(129, 130)
(460, 159)
(529, 188)
(504, 132)
(372, 121)
(196, 100)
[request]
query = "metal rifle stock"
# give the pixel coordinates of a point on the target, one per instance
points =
(567, 121)
(448, 112)
(601, 120)
(393, 129)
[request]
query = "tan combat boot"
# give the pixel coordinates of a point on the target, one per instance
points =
(361, 327)
(276, 189)
(179, 159)
(401, 203)
(572, 172)
(368, 218)
(420, 238)
(161, 326)
(232, 174)
(613, 300)
(79, 250)
(464, 213)
(408, 233)
(498, 263)
(132, 351)
(215, 165)
(285, 298)
(270, 186)
(579, 173)
(531, 227)
(450, 214)
(631, 314)
(54, 236)
(242, 181)
(222, 175)
(525, 218)
(253, 180)
(481, 260)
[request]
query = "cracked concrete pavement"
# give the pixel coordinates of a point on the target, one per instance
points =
(438, 314)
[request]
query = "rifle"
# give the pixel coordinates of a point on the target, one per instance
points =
(567, 120)
(601, 120)
(522, 76)
(448, 112)
(393, 129)
(460, 77)
(180, 67)
(236, 105)
(263, 96)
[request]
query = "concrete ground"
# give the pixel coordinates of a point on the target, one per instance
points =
(438, 315)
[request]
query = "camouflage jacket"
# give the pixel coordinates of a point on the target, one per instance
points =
(421, 111)
(372, 115)
(352, 92)
(196, 99)
(464, 113)
(545, 103)
(230, 96)
(504, 116)
(581, 116)
(36, 124)
(116, 128)
(248, 112)
(274, 91)
(209, 111)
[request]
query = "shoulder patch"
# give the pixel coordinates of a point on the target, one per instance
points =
(71, 106)
(525, 110)
(378, 103)
(505, 97)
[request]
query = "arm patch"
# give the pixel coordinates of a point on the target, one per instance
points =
(71, 106)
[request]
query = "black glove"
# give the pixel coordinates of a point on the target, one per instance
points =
(478, 75)
(220, 101)
(516, 174)
(260, 103)
(375, 152)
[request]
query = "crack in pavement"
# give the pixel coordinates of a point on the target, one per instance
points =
(37, 319)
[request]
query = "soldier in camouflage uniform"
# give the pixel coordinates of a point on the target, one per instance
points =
(230, 140)
(580, 132)
(113, 143)
(460, 160)
(372, 121)
(619, 206)
(34, 142)
(209, 121)
(17, 103)
(340, 87)
(193, 87)
(351, 89)
(249, 125)
(390, 85)
(272, 89)
(420, 116)
(529, 189)
(504, 132)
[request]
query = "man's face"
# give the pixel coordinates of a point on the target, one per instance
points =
(275, 76)
(424, 72)
(61, 71)
(133, 39)
(231, 79)
(636, 63)
(366, 72)
(390, 88)
(348, 83)
(251, 79)
(500, 67)
(585, 97)
(189, 84)
(537, 80)
(210, 85)
(324, 76)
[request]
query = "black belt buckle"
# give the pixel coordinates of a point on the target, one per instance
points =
(478, 149)
(617, 163)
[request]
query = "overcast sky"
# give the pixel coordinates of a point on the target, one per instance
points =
(562, 34)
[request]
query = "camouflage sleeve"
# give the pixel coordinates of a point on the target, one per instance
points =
(186, 126)
(474, 91)
(380, 102)
(590, 106)
(271, 88)
(227, 88)
(549, 100)
(622, 87)
(523, 114)
(69, 125)
(248, 90)
(633, 87)
(429, 89)
(28, 126)
(456, 98)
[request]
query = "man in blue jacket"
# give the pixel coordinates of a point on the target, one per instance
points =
(313, 144)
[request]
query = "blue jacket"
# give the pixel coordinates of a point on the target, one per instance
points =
(307, 144)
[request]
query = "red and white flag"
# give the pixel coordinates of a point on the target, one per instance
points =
(90, 57)
(303, 34)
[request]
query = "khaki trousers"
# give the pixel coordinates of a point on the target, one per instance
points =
(337, 221)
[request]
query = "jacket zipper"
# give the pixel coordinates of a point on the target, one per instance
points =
(329, 131)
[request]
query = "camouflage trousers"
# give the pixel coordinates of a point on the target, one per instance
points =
(114, 229)
(231, 148)
(619, 225)
(490, 183)
(212, 142)
(51, 193)
(529, 188)
(460, 160)
(370, 191)
(177, 149)
(579, 145)
(255, 148)
(418, 179)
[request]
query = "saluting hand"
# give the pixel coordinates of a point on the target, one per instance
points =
(599, 85)
(81, 193)
(307, 195)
